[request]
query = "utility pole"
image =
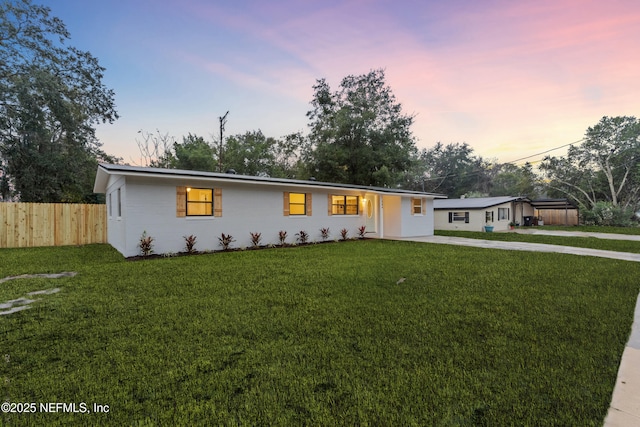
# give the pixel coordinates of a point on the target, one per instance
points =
(223, 121)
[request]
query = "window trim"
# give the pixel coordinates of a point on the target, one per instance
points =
(508, 214)
(344, 206)
(488, 216)
(464, 217)
(287, 204)
(417, 202)
(200, 202)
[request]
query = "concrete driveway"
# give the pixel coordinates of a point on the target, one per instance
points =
(522, 246)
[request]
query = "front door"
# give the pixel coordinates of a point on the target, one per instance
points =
(370, 211)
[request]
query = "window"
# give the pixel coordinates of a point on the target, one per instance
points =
(297, 203)
(345, 205)
(459, 216)
(109, 202)
(416, 206)
(119, 210)
(199, 201)
(488, 216)
(503, 214)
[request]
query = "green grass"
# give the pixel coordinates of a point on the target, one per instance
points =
(318, 335)
(581, 242)
(595, 229)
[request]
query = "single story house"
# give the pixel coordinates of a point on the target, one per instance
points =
(169, 204)
(472, 214)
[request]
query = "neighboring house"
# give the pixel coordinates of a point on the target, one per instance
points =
(169, 204)
(472, 214)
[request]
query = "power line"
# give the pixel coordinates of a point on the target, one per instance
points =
(480, 172)
(548, 151)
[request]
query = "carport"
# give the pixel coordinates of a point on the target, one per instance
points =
(556, 211)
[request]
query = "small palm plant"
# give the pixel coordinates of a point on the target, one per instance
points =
(303, 237)
(324, 233)
(225, 241)
(282, 236)
(146, 244)
(344, 233)
(255, 239)
(190, 243)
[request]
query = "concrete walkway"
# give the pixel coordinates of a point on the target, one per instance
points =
(522, 246)
(624, 409)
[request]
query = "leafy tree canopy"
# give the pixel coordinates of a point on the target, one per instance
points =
(453, 169)
(51, 98)
(512, 180)
(604, 168)
(359, 134)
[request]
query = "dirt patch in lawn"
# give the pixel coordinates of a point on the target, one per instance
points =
(15, 305)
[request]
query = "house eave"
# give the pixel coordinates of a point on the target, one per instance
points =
(104, 170)
(484, 206)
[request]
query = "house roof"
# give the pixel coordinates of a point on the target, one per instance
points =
(104, 170)
(475, 202)
(553, 204)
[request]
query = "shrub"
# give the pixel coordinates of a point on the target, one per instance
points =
(344, 233)
(303, 237)
(361, 231)
(255, 239)
(282, 236)
(146, 244)
(604, 213)
(190, 243)
(225, 241)
(324, 233)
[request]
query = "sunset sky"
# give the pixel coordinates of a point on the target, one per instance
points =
(510, 78)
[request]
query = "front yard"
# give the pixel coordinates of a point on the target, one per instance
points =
(317, 335)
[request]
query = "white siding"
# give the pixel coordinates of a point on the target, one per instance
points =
(477, 217)
(116, 225)
(151, 207)
(399, 220)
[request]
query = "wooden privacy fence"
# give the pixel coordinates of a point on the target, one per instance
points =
(559, 216)
(51, 224)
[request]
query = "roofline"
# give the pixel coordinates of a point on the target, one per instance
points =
(567, 203)
(512, 199)
(109, 169)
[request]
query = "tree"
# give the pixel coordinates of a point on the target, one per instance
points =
(511, 180)
(453, 170)
(194, 154)
(51, 97)
(605, 167)
(156, 149)
(251, 153)
(359, 134)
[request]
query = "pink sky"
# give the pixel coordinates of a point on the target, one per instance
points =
(510, 78)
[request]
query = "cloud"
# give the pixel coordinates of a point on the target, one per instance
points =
(497, 74)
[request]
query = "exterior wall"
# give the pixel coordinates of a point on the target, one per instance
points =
(399, 220)
(116, 225)
(476, 220)
(522, 210)
(150, 205)
(477, 217)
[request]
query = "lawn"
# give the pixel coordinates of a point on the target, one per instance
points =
(318, 335)
(581, 242)
(595, 229)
